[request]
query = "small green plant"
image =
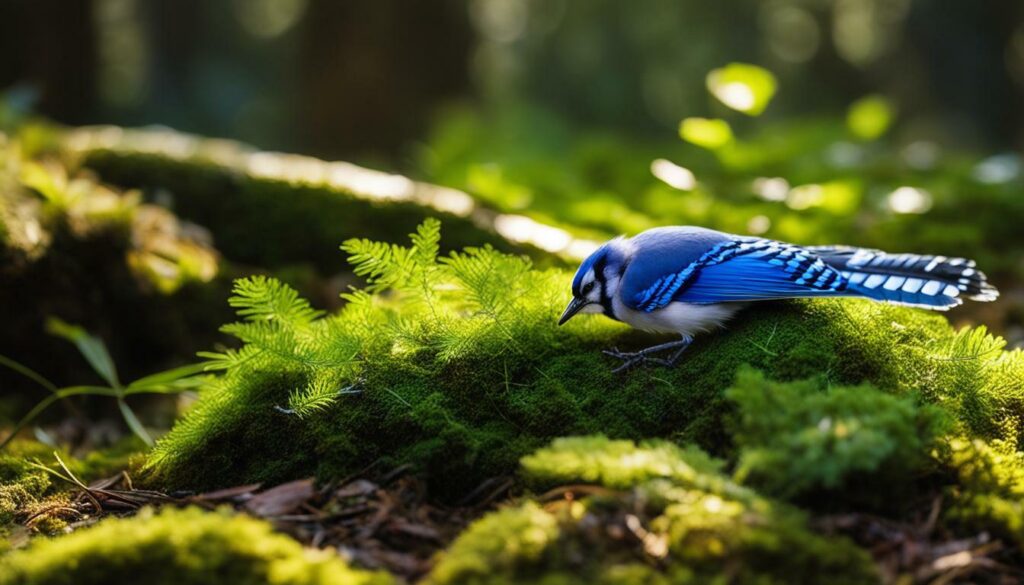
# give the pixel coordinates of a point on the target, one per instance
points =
(95, 352)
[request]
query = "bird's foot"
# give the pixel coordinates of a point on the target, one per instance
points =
(631, 359)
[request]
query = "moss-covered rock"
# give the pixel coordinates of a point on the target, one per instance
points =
(456, 366)
(676, 520)
(178, 547)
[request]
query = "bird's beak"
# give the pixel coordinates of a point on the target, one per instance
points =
(574, 307)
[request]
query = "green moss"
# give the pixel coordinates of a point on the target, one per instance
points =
(240, 195)
(680, 522)
(177, 547)
(618, 464)
(28, 491)
(800, 437)
(21, 484)
(459, 368)
(989, 493)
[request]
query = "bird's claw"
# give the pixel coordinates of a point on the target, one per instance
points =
(631, 359)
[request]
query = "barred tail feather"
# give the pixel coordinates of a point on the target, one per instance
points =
(934, 282)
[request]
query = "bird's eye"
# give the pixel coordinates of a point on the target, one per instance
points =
(588, 287)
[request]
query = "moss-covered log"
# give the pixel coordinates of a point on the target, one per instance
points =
(272, 209)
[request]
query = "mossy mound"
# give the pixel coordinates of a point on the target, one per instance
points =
(805, 438)
(456, 366)
(178, 547)
(242, 195)
(676, 520)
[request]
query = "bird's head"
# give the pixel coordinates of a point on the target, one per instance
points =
(597, 281)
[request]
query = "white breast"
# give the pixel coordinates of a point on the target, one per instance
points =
(683, 318)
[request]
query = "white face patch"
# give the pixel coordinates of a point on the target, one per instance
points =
(590, 290)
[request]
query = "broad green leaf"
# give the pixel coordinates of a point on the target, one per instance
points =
(869, 117)
(707, 133)
(133, 422)
(92, 348)
(743, 87)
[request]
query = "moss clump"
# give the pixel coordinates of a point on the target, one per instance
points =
(679, 522)
(799, 437)
(26, 491)
(989, 494)
(177, 547)
(21, 484)
(456, 365)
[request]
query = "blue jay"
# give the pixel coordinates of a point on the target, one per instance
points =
(685, 280)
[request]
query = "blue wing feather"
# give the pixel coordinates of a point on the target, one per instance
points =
(696, 265)
(742, 269)
(749, 278)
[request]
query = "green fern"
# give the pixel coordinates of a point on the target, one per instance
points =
(259, 298)
(321, 392)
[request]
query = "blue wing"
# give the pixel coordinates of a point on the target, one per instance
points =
(740, 270)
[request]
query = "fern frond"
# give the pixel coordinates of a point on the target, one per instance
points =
(228, 359)
(492, 281)
(259, 298)
(426, 241)
(318, 395)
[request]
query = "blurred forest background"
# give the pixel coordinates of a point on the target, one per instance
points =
(368, 80)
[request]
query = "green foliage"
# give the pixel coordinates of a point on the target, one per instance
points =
(798, 437)
(869, 117)
(686, 522)
(178, 547)
(460, 369)
(743, 87)
(95, 352)
(710, 134)
(127, 271)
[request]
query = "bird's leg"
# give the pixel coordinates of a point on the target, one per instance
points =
(633, 358)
